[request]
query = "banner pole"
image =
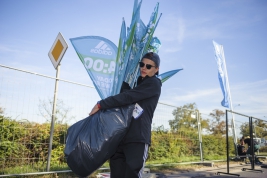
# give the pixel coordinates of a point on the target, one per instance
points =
(230, 99)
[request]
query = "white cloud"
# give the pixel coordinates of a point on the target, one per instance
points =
(195, 95)
(5, 49)
(251, 96)
(11, 53)
(214, 23)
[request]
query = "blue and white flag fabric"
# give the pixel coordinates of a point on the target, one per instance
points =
(125, 57)
(166, 75)
(143, 44)
(155, 45)
(119, 59)
(134, 58)
(222, 73)
(98, 56)
(151, 27)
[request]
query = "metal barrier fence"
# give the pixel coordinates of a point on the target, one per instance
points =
(249, 144)
(26, 99)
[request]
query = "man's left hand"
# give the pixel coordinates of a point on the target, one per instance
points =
(94, 110)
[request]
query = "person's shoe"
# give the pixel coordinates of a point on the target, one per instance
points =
(258, 163)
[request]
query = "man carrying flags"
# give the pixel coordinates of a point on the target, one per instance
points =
(131, 154)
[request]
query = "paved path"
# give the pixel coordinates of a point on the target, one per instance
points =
(212, 172)
(235, 170)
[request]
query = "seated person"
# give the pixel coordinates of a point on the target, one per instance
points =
(241, 149)
(256, 148)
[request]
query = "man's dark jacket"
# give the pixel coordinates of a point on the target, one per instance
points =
(146, 94)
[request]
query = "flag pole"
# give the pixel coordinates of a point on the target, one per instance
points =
(230, 99)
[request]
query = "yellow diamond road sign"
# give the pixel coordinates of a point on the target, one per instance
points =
(57, 50)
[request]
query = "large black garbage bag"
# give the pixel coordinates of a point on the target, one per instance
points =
(93, 140)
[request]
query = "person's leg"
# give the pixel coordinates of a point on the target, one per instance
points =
(257, 161)
(243, 157)
(256, 148)
(249, 154)
(117, 164)
(136, 155)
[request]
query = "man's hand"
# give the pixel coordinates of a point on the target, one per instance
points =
(94, 110)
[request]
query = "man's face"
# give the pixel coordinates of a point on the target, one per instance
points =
(150, 72)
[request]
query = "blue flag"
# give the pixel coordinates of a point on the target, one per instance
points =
(151, 27)
(166, 75)
(119, 59)
(136, 48)
(155, 45)
(222, 73)
(143, 46)
(108, 66)
(98, 56)
(126, 53)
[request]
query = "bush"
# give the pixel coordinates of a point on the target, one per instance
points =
(263, 149)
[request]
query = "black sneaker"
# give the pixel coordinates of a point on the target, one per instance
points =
(258, 163)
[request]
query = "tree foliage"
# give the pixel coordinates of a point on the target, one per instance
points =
(217, 124)
(24, 143)
(10, 134)
(172, 146)
(185, 119)
(244, 129)
(259, 128)
(215, 145)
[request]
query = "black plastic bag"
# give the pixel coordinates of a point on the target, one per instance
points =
(93, 140)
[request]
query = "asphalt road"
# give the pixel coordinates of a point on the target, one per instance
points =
(235, 170)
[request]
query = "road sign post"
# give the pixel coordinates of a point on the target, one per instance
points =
(55, 54)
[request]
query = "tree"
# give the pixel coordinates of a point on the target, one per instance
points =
(217, 126)
(244, 129)
(185, 119)
(62, 111)
(1, 110)
(259, 128)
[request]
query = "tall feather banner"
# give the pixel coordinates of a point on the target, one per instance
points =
(222, 73)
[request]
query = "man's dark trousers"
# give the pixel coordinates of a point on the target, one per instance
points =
(129, 160)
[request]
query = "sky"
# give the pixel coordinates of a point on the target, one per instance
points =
(186, 31)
